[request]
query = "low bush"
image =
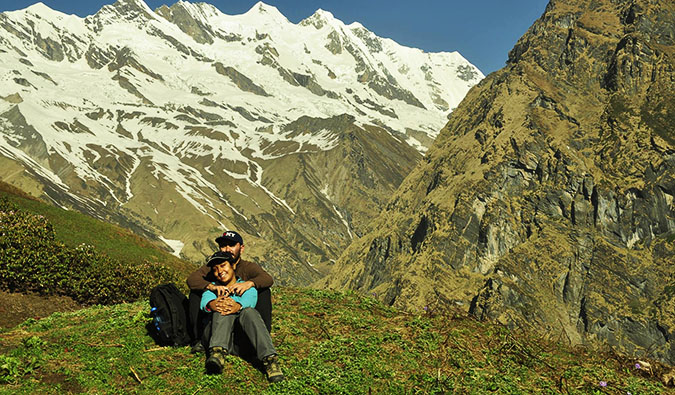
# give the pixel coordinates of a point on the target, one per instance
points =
(31, 259)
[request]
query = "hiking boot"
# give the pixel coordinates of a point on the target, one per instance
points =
(216, 360)
(197, 348)
(272, 369)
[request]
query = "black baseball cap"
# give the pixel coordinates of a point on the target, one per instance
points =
(229, 236)
(218, 258)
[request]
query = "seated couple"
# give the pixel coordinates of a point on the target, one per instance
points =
(226, 294)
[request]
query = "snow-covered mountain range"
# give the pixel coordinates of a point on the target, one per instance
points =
(183, 121)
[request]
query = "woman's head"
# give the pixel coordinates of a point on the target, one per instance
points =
(224, 272)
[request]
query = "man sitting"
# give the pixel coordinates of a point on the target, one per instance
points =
(230, 308)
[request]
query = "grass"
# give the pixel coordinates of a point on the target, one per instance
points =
(328, 342)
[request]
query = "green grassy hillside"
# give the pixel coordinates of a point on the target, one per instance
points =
(74, 229)
(329, 343)
(50, 251)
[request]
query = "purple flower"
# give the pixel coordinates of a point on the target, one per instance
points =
(426, 308)
(374, 294)
(603, 384)
(637, 366)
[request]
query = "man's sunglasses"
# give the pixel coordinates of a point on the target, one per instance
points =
(228, 243)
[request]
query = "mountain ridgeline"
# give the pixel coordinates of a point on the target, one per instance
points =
(183, 121)
(547, 200)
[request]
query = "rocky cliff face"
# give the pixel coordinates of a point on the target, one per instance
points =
(180, 122)
(547, 200)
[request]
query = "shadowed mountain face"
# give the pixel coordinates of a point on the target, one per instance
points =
(182, 122)
(547, 200)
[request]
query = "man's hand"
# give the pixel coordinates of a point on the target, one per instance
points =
(240, 288)
(224, 305)
(219, 290)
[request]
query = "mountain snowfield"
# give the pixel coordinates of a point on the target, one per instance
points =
(184, 121)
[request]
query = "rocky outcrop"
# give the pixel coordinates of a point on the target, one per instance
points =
(240, 80)
(547, 200)
(180, 15)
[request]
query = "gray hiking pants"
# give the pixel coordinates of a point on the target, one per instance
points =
(222, 327)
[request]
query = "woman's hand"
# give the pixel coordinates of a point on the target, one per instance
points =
(225, 305)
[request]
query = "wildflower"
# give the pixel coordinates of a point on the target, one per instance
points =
(603, 384)
(426, 308)
(374, 294)
(637, 366)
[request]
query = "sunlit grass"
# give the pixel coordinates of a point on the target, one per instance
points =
(329, 343)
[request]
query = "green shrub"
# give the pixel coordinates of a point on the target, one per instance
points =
(24, 360)
(31, 259)
(10, 369)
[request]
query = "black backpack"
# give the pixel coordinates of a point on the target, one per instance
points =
(169, 311)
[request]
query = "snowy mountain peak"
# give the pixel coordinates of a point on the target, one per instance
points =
(208, 9)
(39, 8)
(127, 10)
(266, 11)
(42, 11)
(323, 14)
(197, 9)
(134, 4)
(357, 26)
(322, 18)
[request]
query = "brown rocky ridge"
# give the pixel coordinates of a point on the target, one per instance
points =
(547, 200)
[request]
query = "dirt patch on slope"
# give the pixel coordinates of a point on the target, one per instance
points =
(18, 307)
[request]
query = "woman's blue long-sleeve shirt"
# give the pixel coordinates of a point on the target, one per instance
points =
(248, 299)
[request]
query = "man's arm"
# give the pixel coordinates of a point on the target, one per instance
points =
(249, 271)
(197, 280)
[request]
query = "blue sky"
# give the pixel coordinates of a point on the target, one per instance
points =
(483, 31)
